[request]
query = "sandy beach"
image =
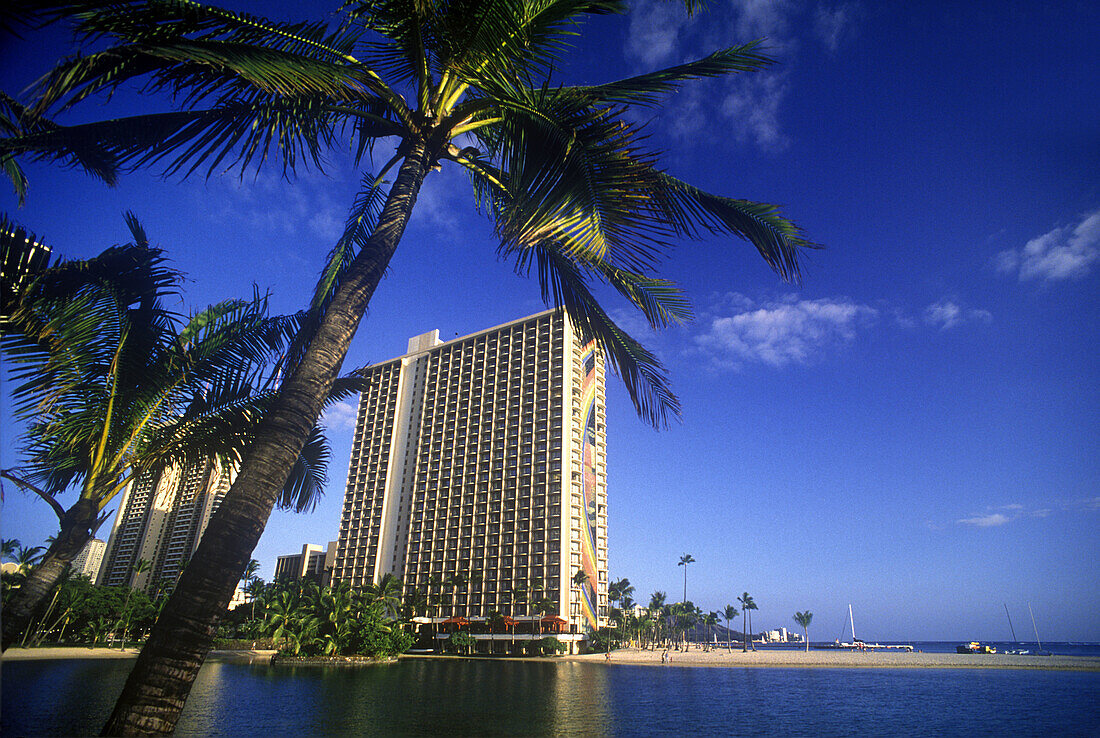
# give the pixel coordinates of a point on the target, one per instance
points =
(68, 652)
(695, 657)
(846, 659)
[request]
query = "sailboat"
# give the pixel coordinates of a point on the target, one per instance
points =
(857, 644)
(1023, 651)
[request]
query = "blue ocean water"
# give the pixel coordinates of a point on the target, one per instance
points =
(426, 697)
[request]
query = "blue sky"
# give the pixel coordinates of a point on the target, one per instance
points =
(915, 429)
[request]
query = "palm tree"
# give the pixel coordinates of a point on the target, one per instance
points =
(388, 594)
(139, 567)
(804, 619)
(113, 387)
(729, 613)
(560, 170)
(711, 620)
(27, 557)
(656, 610)
(474, 582)
(580, 581)
(747, 604)
(8, 547)
(684, 561)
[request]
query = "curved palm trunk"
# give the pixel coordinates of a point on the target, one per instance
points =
(76, 529)
(158, 686)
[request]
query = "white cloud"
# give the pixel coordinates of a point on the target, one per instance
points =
(753, 107)
(782, 332)
(833, 25)
(1005, 514)
(444, 197)
(947, 314)
(661, 33)
(340, 416)
(986, 521)
(654, 33)
(1065, 252)
(763, 18)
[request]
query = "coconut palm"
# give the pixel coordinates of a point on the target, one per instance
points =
(474, 579)
(729, 613)
(745, 600)
(388, 594)
(138, 568)
(804, 619)
(747, 604)
(712, 619)
(250, 571)
(543, 607)
(685, 560)
(656, 611)
(580, 581)
(560, 170)
(113, 385)
(8, 547)
(27, 557)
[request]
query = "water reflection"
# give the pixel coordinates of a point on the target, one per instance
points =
(485, 697)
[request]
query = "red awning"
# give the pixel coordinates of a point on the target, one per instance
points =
(458, 620)
(553, 619)
(508, 622)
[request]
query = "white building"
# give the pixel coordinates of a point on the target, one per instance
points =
(313, 563)
(90, 559)
(481, 462)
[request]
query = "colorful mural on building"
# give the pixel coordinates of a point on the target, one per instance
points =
(589, 599)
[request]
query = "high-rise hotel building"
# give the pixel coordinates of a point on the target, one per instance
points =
(480, 462)
(161, 519)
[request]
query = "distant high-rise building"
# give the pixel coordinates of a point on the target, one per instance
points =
(161, 519)
(313, 563)
(478, 472)
(90, 559)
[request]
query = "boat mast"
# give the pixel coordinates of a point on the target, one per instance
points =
(1033, 627)
(853, 622)
(1014, 640)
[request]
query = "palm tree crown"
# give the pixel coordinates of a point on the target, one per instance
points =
(561, 170)
(113, 385)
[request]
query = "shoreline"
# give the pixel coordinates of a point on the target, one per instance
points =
(830, 659)
(694, 658)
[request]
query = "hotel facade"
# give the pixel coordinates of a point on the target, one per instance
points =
(161, 519)
(478, 476)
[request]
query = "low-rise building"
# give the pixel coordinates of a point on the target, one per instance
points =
(313, 563)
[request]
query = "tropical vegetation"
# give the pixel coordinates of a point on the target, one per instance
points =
(112, 385)
(804, 619)
(561, 170)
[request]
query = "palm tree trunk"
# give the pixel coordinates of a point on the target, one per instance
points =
(745, 634)
(76, 529)
(158, 686)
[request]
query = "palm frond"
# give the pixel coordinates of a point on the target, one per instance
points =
(17, 121)
(778, 240)
(306, 484)
(576, 175)
(646, 89)
(362, 218)
(236, 135)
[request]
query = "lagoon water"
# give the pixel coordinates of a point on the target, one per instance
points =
(427, 697)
